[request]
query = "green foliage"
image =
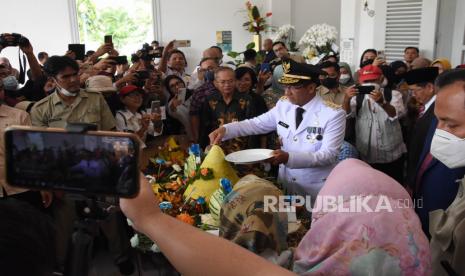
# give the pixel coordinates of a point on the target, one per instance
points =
(94, 25)
(233, 54)
(251, 45)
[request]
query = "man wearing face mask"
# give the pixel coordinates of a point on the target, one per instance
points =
(70, 104)
(377, 111)
(329, 89)
(200, 94)
(33, 89)
(441, 162)
(447, 224)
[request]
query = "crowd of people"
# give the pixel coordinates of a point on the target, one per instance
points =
(404, 119)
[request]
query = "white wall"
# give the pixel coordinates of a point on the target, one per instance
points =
(200, 19)
(458, 47)
(369, 32)
(46, 23)
(446, 23)
(305, 13)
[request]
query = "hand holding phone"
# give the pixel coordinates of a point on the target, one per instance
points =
(265, 67)
(78, 49)
(108, 39)
(181, 96)
(98, 162)
(365, 89)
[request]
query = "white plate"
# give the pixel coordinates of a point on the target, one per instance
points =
(249, 156)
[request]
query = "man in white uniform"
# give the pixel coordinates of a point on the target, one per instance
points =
(311, 131)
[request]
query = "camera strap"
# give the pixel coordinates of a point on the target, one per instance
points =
(22, 68)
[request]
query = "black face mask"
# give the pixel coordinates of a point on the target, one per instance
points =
(330, 83)
(366, 62)
(399, 78)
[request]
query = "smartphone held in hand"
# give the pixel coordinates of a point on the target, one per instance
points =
(93, 162)
(156, 108)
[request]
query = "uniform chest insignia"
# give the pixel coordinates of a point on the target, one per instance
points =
(213, 104)
(242, 103)
(283, 124)
(332, 105)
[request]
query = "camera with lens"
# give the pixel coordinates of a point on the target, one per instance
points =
(18, 40)
(147, 53)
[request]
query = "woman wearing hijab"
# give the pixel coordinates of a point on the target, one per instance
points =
(442, 63)
(346, 79)
(388, 241)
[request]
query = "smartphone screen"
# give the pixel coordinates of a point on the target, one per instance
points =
(265, 67)
(89, 163)
(182, 95)
(156, 108)
(381, 54)
(365, 89)
(182, 43)
(108, 39)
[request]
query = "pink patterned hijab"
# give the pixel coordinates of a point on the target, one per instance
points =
(373, 230)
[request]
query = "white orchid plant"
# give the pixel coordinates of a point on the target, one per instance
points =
(318, 41)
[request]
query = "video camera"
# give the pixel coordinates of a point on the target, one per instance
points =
(18, 40)
(147, 53)
(83, 162)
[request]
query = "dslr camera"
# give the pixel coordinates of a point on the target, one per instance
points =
(147, 53)
(18, 40)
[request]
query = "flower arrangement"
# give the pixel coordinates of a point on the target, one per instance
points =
(255, 23)
(284, 33)
(169, 181)
(319, 41)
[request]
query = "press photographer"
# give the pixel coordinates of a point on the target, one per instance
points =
(33, 90)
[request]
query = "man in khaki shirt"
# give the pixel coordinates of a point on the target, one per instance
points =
(329, 90)
(12, 116)
(69, 103)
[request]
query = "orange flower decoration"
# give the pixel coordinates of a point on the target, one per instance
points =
(185, 218)
(204, 171)
(192, 174)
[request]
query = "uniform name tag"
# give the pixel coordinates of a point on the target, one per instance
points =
(283, 124)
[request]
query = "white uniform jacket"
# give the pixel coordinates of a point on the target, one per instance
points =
(313, 147)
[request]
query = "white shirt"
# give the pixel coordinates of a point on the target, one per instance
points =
(429, 103)
(181, 113)
(131, 122)
(378, 136)
(310, 159)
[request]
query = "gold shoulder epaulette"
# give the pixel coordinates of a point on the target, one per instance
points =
(283, 98)
(332, 105)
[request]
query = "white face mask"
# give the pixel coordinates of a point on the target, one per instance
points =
(10, 83)
(377, 87)
(64, 91)
(344, 78)
(385, 83)
(449, 149)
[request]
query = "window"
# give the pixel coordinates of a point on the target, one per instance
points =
(403, 27)
(130, 22)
